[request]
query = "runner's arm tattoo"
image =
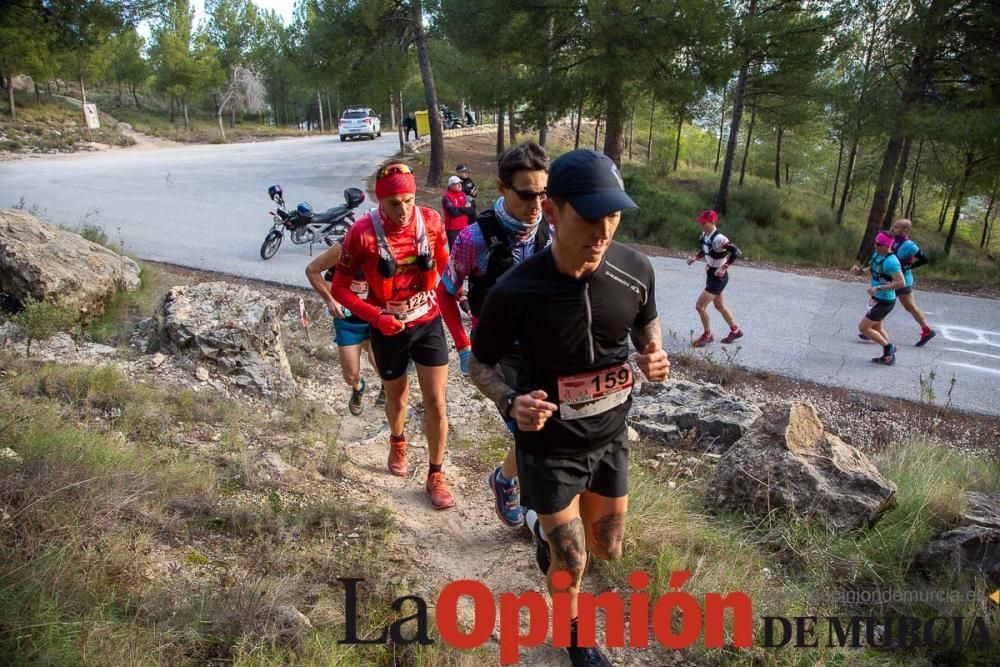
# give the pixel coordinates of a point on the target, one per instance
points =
(489, 380)
(569, 548)
(608, 533)
(650, 333)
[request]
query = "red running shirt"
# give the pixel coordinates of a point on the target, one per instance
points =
(360, 253)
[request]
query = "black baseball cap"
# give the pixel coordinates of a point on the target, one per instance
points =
(461, 167)
(591, 182)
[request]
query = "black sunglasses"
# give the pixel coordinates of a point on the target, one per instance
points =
(528, 195)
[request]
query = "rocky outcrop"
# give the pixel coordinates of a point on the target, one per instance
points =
(974, 549)
(789, 462)
(234, 329)
(698, 414)
(982, 509)
(40, 261)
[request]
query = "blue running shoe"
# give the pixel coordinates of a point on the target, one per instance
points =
(507, 499)
(463, 362)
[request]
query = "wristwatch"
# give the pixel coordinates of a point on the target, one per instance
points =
(507, 403)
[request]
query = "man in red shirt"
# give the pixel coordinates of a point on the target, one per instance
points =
(400, 248)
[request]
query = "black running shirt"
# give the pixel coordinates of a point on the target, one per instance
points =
(574, 335)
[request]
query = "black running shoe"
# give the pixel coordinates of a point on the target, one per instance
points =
(587, 657)
(542, 556)
(355, 405)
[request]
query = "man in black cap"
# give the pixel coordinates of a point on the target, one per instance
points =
(469, 186)
(572, 308)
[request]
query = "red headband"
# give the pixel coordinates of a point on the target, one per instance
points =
(395, 183)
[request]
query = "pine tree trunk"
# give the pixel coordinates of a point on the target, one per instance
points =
(319, 106)
(986, 220)
(912, 201)
(399, 126)
(947, 203)
(9, 78)
(550, 33)
(836, 178)
(746, 148)
(597, 130)
(631, 131)
(649, 142)
(722, 128)
(788, 174)
(777, 158)
(222, 129)
(83, 101)
(436, 167)
(173, 106)
(187, 120)
(897, 185)
(722, 197)
(579, 123)
(138, 104)
(511, 132)
(38, 93)
(677, 144)
(333, 119)
(392, 110)
(500, 142)
(958, 205)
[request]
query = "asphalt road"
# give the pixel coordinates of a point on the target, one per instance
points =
(206, 207)
(202, 206)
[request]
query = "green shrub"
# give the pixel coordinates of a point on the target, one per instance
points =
(41, 318)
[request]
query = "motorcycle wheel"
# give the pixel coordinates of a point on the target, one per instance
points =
(271, 244)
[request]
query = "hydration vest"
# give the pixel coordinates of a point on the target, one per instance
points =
(501, 256)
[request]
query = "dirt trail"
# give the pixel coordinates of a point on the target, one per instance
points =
(468, 541)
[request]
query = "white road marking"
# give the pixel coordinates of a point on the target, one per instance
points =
(969, 335)
(975, 368)
(978, 354)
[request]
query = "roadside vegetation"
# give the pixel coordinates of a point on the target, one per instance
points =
(51, 126)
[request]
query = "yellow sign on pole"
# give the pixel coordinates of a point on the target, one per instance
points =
(90, 113)
(996, 596)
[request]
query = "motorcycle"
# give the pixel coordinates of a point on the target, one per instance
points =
(450, 120)
(306, 226)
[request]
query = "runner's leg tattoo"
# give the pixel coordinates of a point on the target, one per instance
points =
(608, 533)
(569, 549)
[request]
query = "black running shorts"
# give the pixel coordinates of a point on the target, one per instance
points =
(880, 309)
(714, 284)
(549, 484)
(904, 290)
(424, 343)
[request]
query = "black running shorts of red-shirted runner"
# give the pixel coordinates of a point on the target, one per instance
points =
(424, 343)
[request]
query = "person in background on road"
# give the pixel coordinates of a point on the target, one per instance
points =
(469, 186)
(410, 123)
(886, 278)
(910, 256)
(719, 254)
(457, 212)
(500, 238)
(351, 333)
(401, 249)
(573, 308)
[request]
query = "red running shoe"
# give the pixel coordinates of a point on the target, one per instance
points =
(397, 457)
(924, 337)
(733, 335)
(439, 492)
(704, 340)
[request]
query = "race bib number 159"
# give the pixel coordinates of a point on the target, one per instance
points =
(591, 393)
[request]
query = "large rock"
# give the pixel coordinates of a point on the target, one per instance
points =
(974, 549)
(668, 412)
(982, 509)
(788, 462)
(235, 329)
(40, 261)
